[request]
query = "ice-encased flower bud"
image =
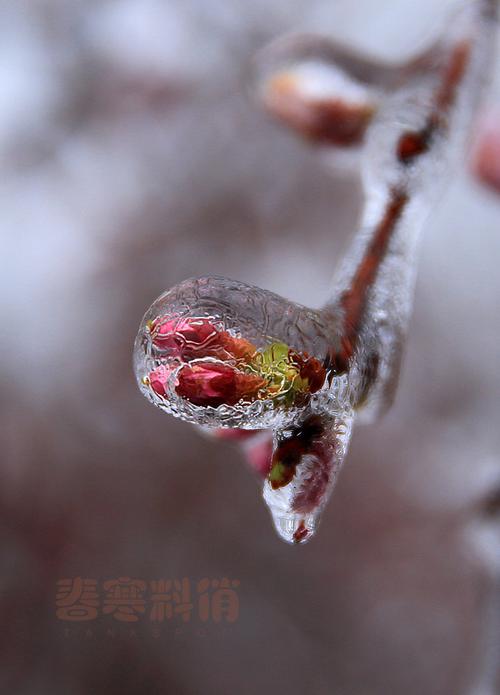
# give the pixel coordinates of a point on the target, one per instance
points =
(224, 354)
(214, 384)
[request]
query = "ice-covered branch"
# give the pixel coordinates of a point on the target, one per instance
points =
(222, 354)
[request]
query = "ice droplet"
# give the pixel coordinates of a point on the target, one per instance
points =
(307, 458)
(295, 528)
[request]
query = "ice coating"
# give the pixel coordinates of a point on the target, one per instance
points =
(327, 92)
(418, 137)
(222, 354)
(216, 352)
(320, 101)
(306, 459)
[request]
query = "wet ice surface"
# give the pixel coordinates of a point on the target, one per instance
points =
(222, 354)
(274, 348)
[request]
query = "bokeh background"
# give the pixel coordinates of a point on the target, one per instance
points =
(133, 154)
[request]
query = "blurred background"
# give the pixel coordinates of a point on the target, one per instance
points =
(133, 154)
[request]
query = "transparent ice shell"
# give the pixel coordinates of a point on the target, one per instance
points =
(206, 341)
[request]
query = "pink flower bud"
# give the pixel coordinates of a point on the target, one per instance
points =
(486, 160)
(191, 338)
(158, 379)
(184, 337)
(259, 454)
(214, 384)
